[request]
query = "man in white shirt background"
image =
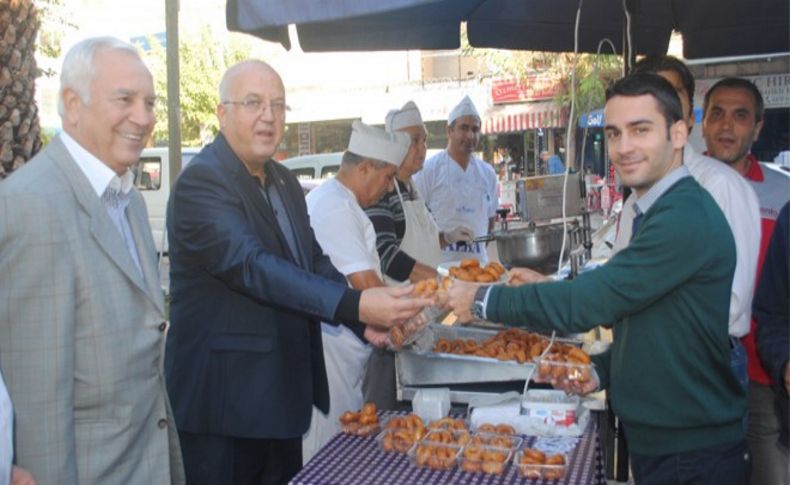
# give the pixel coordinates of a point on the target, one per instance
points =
(347, 236)
(459, 188)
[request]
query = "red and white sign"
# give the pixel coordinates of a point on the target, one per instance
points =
(525, 116)
(533, 87)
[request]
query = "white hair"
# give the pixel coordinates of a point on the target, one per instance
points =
(79, 66)
(224, 84)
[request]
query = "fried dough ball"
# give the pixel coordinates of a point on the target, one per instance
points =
(470, 263)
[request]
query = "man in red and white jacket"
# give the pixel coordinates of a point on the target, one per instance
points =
(733, 118)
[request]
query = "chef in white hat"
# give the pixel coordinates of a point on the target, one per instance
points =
(407, 238)
(347, 236)
(460, 189)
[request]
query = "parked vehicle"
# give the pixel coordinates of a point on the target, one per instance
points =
(311, 167)
(152, 179)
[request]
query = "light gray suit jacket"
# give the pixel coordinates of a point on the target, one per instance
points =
(81, 333)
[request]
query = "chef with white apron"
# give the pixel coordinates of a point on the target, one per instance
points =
(421, 239)
(347, 236)
(459, 188)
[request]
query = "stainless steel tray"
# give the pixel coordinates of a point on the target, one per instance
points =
(419, 365)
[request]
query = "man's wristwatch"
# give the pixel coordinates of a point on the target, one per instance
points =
(478, 309)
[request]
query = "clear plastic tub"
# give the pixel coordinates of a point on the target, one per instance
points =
(534, 470)
(547, 369)
(447, 437)
(510, 442)
(484, 459)
(401, 433)
(434, 456)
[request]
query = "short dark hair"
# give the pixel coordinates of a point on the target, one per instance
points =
(657, 63)
(654, 85)
(739, 83)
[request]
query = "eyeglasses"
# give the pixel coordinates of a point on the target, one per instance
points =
(252, 106)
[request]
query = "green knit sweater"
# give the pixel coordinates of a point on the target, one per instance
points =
(668, 370)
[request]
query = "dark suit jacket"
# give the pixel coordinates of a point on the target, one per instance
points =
(772, 310)
(244, 355)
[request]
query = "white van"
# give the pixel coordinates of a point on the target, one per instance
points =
(152, 179)
(312, 167)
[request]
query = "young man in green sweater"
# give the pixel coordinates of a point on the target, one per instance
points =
(667, 294)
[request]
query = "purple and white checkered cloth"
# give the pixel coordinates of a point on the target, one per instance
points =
(350, 459)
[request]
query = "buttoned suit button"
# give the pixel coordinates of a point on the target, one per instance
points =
(163, 326)
(162, 424)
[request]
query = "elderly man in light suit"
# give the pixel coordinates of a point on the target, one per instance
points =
(81, 310)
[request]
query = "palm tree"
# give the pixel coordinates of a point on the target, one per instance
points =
(19, 127)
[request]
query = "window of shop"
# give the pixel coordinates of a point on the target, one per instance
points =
(331, 136)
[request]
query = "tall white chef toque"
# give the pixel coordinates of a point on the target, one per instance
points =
(398, 119)
(375, 143)
(465, 108)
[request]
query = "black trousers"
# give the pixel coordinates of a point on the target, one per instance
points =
(220, 460)
(728, 464)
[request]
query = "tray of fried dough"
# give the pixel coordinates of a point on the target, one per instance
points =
(465, 354)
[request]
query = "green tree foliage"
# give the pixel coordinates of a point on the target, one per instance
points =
(203, 59)
(594, 73)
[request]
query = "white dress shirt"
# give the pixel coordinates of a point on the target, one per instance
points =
(112, 189)
(738, 202)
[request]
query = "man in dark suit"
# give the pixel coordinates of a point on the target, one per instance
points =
(249, 285)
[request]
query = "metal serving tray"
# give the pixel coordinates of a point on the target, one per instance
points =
(420, 366)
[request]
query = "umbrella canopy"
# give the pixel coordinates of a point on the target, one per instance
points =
(710, 28)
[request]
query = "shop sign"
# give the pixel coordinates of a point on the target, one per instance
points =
(304, 139)
(533, 87)
(775, 89)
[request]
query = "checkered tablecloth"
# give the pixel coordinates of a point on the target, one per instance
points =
(353, 460)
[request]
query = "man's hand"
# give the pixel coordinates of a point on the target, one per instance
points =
(20, 476)
(376, 336)
(522, 276)
(459, 299)
(387, 307)
(459, 233)
(422, 272)
(787, 378)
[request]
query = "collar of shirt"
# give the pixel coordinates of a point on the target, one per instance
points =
(649, 198)
(98, 174)
(755, 171)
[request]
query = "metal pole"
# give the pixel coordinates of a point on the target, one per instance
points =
(173, 91)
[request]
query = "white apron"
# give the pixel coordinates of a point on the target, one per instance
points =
(469, 201)
(421, 239)
(346, 358)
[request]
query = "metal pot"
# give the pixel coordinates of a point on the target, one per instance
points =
(531, 247)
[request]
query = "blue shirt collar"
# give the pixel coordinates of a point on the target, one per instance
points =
(650, 197)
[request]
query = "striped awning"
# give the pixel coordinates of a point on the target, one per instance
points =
(523, 116)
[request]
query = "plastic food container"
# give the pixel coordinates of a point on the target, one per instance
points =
(431, 404)
(447, 437)
(434, 456)
(550, 407)
(540, 470)
(497, 440)
(358, 429)
(571, 371)
(399, 439)
(484, 459)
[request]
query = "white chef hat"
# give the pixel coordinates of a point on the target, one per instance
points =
(465, 108)
(375, 143)
(397, 119)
